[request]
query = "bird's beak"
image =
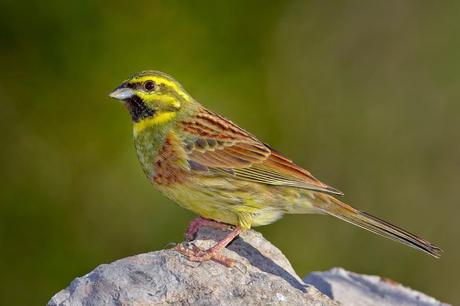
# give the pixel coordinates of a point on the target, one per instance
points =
(122, 93)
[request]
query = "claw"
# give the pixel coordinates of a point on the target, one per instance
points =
(197, 254)
(200, 255)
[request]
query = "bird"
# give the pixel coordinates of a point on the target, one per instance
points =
(224, 174)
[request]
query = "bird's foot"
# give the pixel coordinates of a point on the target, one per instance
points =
(199, 255)
(213, 253)
(199, 222)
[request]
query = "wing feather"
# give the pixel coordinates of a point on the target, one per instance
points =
(214, 143)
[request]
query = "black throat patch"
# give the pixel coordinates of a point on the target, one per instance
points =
(138, 109)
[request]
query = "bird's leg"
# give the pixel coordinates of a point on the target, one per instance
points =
(197, 254)
(198, 223)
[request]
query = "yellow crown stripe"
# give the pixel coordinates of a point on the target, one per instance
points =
(161, 80)
(157, 119)
(158, 80)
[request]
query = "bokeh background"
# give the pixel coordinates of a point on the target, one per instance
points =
(365, 94)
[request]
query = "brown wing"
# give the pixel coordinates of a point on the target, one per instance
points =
(214, 143)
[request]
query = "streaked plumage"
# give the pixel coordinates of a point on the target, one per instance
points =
(209, 165)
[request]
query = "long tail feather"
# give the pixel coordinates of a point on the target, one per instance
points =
(378, 226)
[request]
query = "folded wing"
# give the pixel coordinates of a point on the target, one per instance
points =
(215, 144)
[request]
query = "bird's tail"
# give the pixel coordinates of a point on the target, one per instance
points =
(336, 208)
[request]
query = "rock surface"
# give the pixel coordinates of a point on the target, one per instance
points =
(350, 288)
(262, 276)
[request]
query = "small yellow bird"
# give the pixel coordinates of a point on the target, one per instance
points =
(211, 166)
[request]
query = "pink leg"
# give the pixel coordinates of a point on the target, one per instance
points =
(197, 254)
(198, 223)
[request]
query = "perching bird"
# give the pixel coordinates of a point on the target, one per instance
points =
(211, 166)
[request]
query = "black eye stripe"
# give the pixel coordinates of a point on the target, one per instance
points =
(148, 85)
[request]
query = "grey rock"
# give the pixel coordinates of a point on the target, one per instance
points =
(350, 288)
(262, 276)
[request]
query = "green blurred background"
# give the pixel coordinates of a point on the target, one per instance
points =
(362, 93)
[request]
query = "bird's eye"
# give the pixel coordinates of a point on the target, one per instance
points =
(149, 85)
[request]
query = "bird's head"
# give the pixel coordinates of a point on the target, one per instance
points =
(152, 98)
